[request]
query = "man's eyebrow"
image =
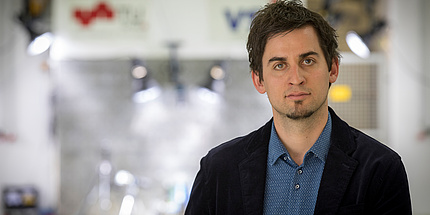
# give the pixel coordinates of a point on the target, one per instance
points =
(304, 55)
(273, 59)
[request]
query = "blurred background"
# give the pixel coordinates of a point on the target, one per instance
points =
(107, 106)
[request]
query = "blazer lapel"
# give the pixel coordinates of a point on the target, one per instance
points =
(338, 169)
(337, 174)
(253, 172)
(253, 182)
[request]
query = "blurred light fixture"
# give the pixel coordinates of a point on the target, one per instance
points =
(145, 87)
(214, 86)
(331, 12)
(124, 177)
(340, 93)
(360, 44)
(147, 95)
(40, 44)
(357, 45)
(127, 205)
(139, 72)
(35, 19)
(217, 73)
(175, 70)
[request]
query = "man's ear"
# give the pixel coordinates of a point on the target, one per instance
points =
(258, 83)
(334, 70)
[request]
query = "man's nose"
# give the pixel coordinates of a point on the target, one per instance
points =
(296, 76)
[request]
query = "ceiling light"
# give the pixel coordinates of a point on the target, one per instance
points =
(144, 86)
(40, 44)
(357, 45)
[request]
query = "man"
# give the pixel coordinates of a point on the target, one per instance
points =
(306, 160)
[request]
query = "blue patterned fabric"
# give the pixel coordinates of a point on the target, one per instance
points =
(293, 189)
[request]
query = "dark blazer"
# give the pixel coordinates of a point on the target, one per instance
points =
(361, 176)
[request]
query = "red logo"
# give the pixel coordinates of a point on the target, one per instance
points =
(102, 10)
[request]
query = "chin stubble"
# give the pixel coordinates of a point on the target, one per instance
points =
(296, 115)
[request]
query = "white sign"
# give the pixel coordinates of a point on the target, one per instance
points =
(230, 20)
(103, 19)
(87, 29)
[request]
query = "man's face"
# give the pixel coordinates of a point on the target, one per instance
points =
(295, 73)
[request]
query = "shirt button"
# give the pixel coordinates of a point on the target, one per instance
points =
(300, 171)
(297, 186)
(285, 158)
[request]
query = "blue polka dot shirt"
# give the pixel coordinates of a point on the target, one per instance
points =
(290, 188)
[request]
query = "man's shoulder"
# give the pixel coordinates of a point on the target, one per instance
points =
(242, 145)
(234, 146)
(372, 148)
(358, 144)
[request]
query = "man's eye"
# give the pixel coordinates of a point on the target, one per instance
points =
(279, 66)
(308, 61)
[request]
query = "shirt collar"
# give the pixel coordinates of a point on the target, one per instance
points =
(321, 146)
(319, 149)
(276, 148)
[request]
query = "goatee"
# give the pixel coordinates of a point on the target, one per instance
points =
(299, 114)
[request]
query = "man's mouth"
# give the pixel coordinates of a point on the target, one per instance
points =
(298, 95)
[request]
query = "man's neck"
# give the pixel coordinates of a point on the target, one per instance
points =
(299, 135)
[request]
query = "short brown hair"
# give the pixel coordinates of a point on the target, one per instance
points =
(285, 16)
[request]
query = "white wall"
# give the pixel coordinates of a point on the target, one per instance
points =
(407, 66)
(25, 112)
